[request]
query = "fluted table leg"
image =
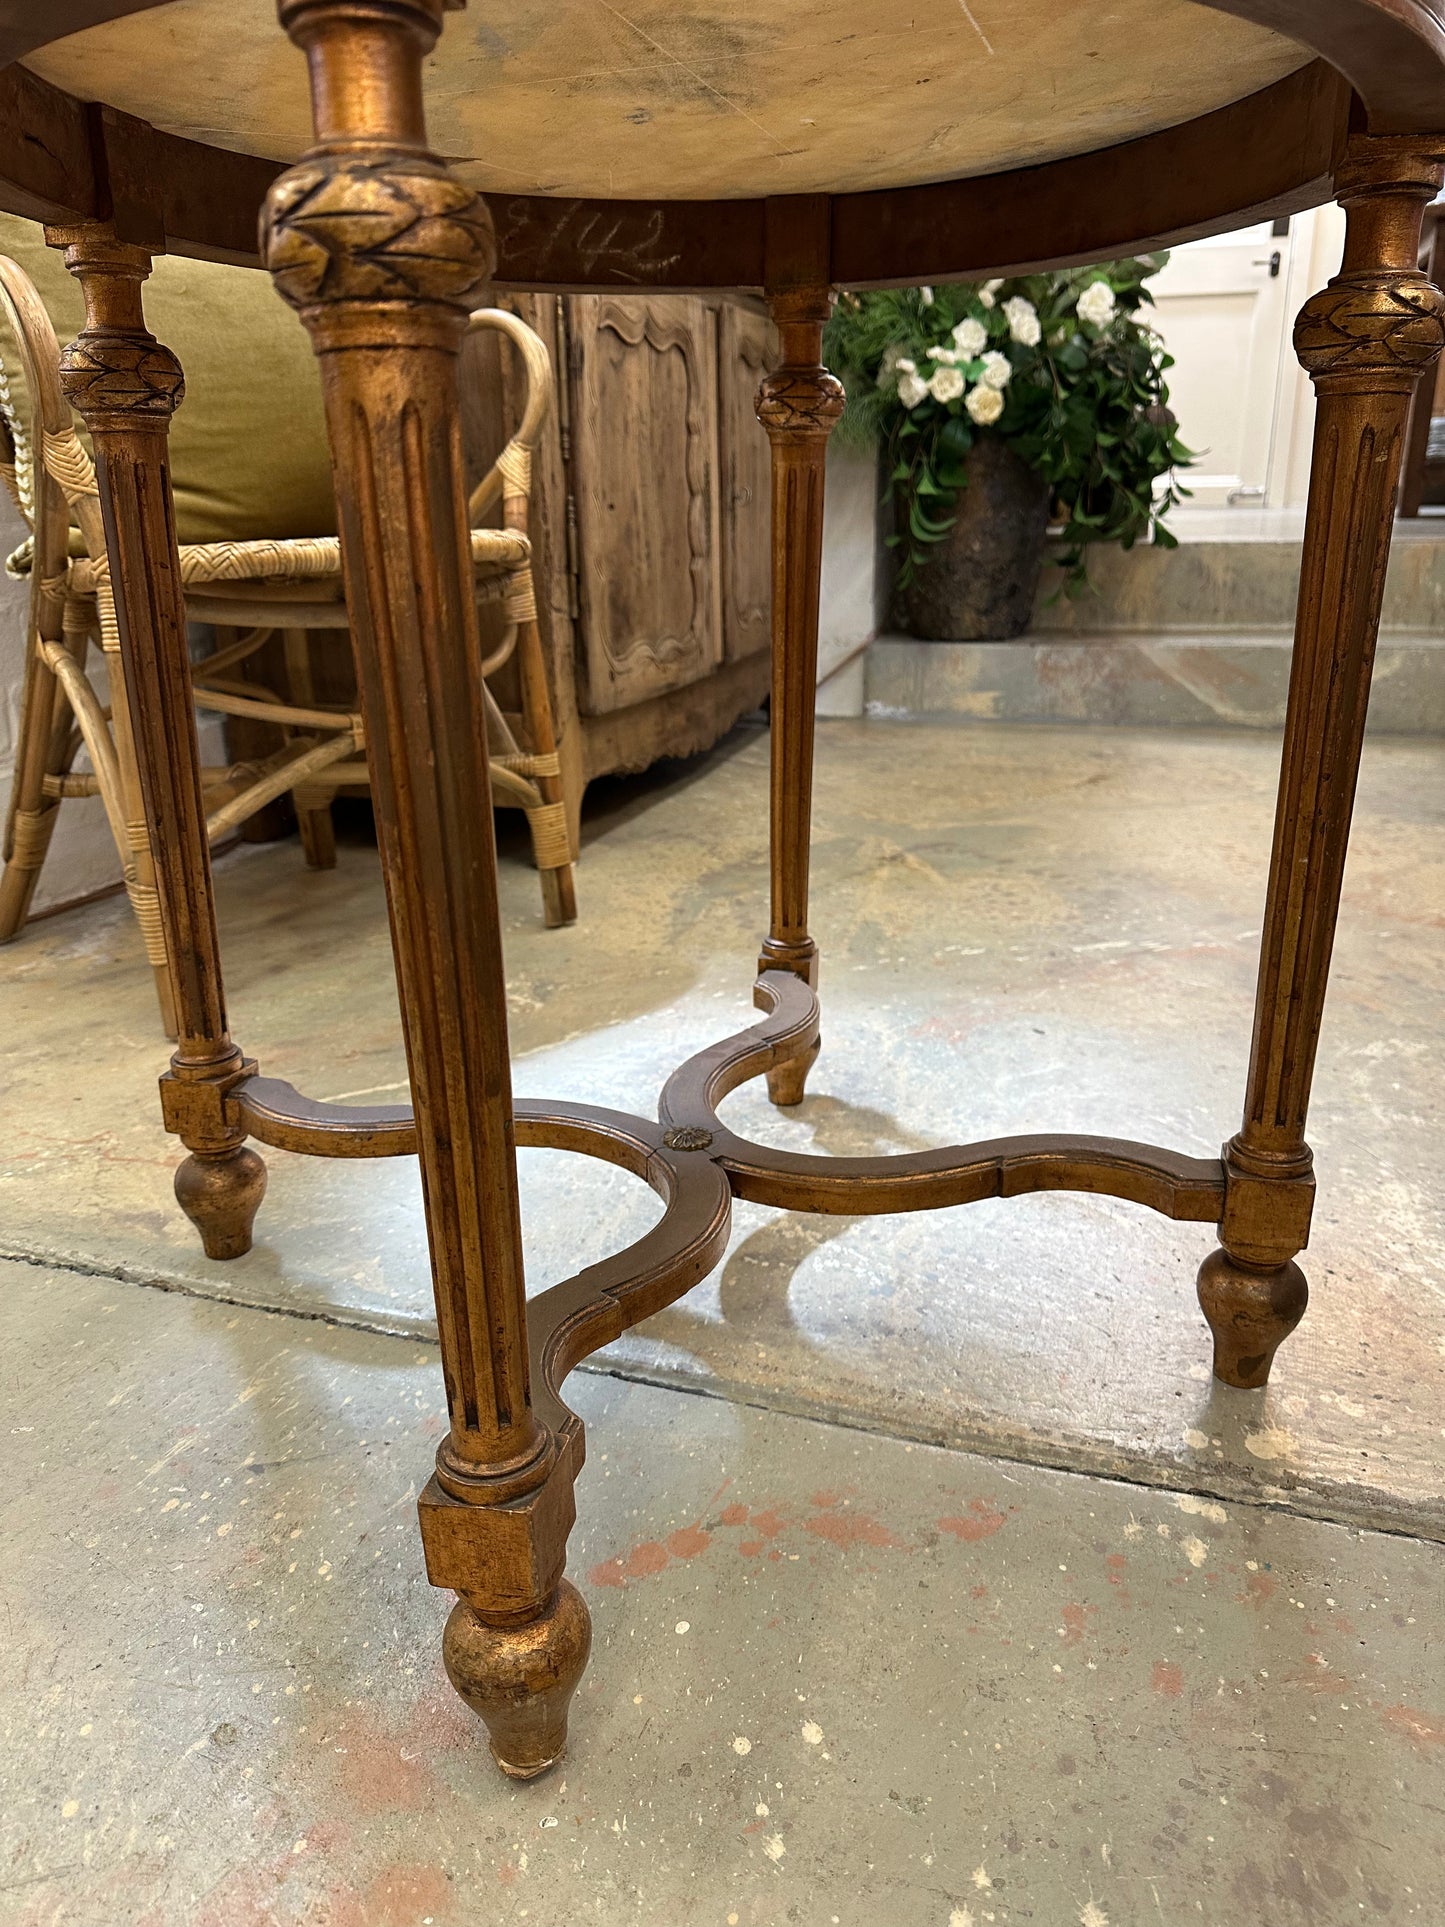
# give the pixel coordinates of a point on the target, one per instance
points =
(1365, 341)
(798, 405)
(125, 386)
(381, 251)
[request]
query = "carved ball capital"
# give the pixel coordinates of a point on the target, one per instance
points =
(124, 376)
(1388, 326)
(800, 404)
(395, 228)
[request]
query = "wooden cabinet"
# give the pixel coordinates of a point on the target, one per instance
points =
(650, 524)
(644, 483)
(650, 517)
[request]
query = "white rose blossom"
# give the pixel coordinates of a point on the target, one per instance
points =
(1096, 304)
(911, 390)
(946, 384)
(948, 355)
(1023, 321)
(927, 294)
(997, 370)
(988, 293)
(906, 367)
(984, 404)
(970, 337)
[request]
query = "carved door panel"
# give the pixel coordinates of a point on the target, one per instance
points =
(747, 349)
(644, 379)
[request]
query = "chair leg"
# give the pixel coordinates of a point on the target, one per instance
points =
(552, 844)
(318, 833)
(574, 785)
(1365, 341)
(798, 406)
(45, 729)
(387, 323)
(32, 821)
(559, 893)
(312, 804)
(140, 862)
(125, 385)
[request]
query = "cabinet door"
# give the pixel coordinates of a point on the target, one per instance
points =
(1222, 307)
(747, 349)
(645, 484)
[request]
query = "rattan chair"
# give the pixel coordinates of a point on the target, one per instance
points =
(249, 590)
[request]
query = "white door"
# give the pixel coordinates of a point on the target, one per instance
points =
(1222, 308)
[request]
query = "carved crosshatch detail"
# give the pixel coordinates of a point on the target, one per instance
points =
(121, 375)
(798, 404)
(644, 402)
(394, 229)
(1371, 325)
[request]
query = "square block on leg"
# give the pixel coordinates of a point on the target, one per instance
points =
(507, 1558)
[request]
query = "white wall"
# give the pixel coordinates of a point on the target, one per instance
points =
(847, 614)
(1243, 401)
(1318, 246)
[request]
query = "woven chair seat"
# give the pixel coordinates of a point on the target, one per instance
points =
(306, 558)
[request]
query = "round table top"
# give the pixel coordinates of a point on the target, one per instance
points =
(711, 99)
(676, 144)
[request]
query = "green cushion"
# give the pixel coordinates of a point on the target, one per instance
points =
(248, 444)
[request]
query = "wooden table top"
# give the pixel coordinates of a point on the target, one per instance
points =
(930, 123)
(712, 99)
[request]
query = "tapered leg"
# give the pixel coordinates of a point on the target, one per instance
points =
(380, 250)
(1365, 342)
(126, 387)
(798, 406)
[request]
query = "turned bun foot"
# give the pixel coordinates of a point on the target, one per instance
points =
(1251, 1311)
(221, 1192)
(519, 1678)
(786, 1083)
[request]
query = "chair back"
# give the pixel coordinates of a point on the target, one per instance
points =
(248, 444)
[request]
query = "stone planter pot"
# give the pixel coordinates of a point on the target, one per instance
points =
(980, 581)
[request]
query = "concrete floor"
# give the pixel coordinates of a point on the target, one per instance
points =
(938, 1626)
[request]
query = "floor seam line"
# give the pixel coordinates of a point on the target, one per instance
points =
(1003, 1453)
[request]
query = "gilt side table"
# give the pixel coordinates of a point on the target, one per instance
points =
(791, 146)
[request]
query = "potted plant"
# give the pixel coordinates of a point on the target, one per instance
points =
(1000, 405)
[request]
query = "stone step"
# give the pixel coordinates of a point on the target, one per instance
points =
(1233, 586)
(1179, 679)
(1193, 637)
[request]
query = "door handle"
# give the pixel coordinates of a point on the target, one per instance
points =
(1273, 262)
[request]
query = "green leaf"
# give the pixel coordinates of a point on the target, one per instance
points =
(1083, 409)
(955, 438)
